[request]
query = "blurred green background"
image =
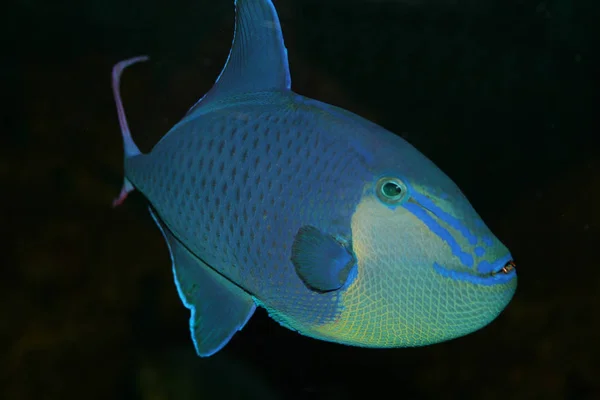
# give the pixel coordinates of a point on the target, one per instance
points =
(502, 95)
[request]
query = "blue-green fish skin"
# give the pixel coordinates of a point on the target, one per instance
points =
(340, 229)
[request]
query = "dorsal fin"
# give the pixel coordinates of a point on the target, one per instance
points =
(258, 60)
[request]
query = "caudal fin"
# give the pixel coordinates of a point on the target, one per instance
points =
(129, 145)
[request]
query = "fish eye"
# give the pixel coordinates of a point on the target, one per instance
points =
(391, 190)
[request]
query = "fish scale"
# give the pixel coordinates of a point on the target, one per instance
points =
(243, 223)
(340, 229)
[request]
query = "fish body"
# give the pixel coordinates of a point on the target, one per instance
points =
(340, 229)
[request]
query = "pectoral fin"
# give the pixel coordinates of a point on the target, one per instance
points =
(321, 261)
(219, 307)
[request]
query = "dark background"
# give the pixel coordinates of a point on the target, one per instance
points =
(502, 95)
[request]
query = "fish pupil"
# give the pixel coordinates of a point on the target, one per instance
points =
(391, 190)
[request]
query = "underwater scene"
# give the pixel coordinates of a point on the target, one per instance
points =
(300, 199)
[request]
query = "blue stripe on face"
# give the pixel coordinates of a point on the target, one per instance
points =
(479, 251)
(449, 219)
(423, 208)
(436, 228)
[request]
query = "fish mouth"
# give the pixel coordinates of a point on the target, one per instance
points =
(500, 272)
(507, 268)
(502, 266)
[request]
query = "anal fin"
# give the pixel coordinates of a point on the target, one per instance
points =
(218, 307)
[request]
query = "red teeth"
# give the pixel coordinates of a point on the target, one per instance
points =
(508, 267)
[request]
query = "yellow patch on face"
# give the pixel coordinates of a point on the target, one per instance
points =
(376, 305)
(397, 298)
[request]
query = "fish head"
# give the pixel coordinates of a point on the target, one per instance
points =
(429, 269)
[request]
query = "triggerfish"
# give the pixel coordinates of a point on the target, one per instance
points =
(340, 229)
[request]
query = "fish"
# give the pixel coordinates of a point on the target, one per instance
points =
(340, 229)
